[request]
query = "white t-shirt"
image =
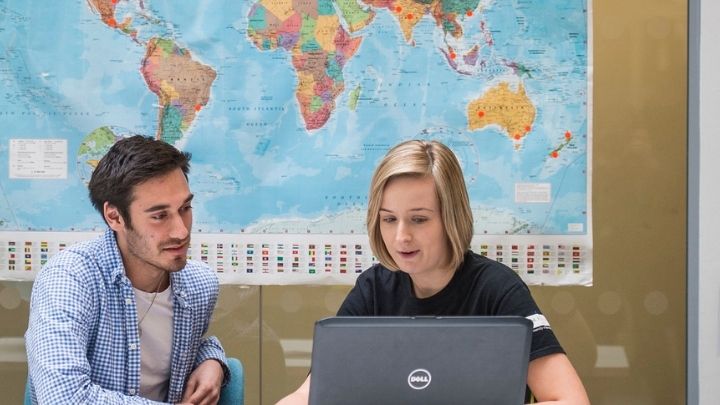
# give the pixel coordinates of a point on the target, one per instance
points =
(156, 331)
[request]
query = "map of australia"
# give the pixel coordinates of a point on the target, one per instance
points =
(511, 110)
(287, 105)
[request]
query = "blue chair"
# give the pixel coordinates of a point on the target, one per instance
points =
(28, 397)
(231, 394)
(234, 392)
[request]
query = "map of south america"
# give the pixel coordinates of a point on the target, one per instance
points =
(181, 84)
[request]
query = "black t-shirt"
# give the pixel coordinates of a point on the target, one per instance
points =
(479, 287)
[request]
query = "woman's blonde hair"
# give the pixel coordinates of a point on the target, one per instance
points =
(424, 158)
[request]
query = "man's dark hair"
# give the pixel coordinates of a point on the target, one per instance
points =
(129, 162)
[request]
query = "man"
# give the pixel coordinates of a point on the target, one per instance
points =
(120, 319)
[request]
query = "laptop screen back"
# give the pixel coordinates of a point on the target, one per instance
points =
(420, 360)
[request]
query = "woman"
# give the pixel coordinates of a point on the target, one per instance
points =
(420, 226)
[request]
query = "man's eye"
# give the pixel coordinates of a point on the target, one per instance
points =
(187, 208)
(159, 216)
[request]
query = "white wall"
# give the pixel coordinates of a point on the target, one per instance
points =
(704, 204)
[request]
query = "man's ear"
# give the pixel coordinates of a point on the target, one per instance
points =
(113, 217)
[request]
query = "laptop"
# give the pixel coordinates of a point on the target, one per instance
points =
(420, 360)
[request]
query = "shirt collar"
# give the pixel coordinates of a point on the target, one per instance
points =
(113, 258)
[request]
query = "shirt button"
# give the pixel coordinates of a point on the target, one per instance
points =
(131, 391)
(133, 346)
(128, 301)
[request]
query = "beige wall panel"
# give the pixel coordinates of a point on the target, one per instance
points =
(289, 315)
(14, 308)
(236, 322)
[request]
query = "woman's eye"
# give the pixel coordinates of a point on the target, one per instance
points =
(387, 219)
(419, 220)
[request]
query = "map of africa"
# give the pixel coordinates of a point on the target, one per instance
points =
(287, 106)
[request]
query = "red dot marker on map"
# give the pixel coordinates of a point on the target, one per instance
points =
(554, 154)
(111, 22)
(568, 135)
(409, 16)
(517, 137)
(453, 55)
(198, 107)
(398, 9)
(114, 1)
(528, 128)
(481, 114)
(469, 13)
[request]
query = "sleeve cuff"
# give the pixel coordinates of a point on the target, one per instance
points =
(211, 349)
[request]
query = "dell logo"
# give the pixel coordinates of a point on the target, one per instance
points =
(419, 379)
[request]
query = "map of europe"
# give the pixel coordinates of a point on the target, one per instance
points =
(288, 105)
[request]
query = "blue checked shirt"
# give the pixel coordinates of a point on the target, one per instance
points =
(82, 338)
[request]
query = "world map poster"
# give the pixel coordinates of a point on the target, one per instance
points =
(287, 106)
